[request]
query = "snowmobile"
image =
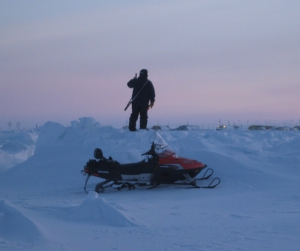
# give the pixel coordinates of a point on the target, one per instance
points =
(161, 165)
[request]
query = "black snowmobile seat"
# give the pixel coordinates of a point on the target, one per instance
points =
(109, 163)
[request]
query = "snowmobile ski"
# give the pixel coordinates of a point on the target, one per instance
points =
(216, 181)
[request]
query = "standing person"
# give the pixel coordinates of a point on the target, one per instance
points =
(143, 93)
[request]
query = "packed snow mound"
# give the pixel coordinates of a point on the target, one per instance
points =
(16, 227)
(16, 147)
(23, 137)
(94, 210)
(13, 147)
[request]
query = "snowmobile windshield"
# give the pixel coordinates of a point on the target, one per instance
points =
(162, 149)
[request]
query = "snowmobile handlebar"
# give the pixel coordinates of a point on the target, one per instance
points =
(151, 151)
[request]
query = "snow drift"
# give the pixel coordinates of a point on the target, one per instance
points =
(256, 206)
(16, 147)
(15, 227)
(101, 214)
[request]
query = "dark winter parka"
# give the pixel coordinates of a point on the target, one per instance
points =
(147, 94)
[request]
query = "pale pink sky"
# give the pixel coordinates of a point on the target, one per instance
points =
(208, 60)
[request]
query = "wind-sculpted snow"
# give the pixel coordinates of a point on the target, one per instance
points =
(15, 147)
(256, 206)
(15, 228)
(101, 214)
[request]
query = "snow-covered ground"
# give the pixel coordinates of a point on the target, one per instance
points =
(43, 205)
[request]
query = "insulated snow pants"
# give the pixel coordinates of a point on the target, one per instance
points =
(136, 111)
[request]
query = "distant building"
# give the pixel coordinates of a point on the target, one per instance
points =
(161, 128)
(256, 127)
(296, 128)
(282, 128)
(221, 127)
(187, 127)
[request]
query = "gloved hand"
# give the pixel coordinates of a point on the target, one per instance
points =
(151, 105)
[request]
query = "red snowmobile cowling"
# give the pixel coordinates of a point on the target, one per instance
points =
(184, 163)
